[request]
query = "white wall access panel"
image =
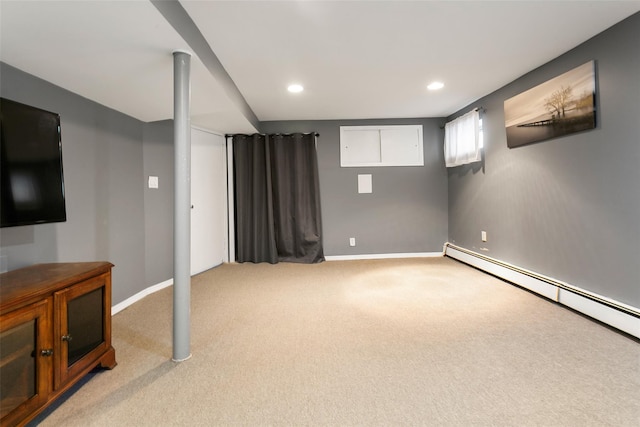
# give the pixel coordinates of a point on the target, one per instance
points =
(365, 183)
(361, 147)
(364, 146)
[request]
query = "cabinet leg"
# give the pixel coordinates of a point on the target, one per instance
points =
(108, 360)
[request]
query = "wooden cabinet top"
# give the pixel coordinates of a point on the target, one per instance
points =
(22, 286)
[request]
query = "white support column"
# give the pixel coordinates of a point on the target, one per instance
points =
(182, 207)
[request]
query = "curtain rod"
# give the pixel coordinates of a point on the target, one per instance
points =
(267, 134)
(481, 109)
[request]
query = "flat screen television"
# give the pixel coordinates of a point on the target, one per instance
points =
(31, 176)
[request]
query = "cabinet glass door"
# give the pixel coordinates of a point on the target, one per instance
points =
(83, 334)
(25, 359)
(18, 369)
(85, 329)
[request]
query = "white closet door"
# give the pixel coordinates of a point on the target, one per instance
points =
(208, 200)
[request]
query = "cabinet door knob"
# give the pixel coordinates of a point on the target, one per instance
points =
(67, 338)
(47, 352)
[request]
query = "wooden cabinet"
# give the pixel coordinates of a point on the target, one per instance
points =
(55, 327)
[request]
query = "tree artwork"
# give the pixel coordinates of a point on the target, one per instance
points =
(558, 101)
(556, 108)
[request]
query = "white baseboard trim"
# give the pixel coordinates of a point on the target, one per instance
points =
(382, 256)
(137, 297)
(621, 316)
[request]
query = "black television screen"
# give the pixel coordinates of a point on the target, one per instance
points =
(31, 179)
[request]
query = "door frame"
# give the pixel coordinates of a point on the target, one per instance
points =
(231, 203)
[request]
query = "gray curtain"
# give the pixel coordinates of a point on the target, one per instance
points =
(277, 198)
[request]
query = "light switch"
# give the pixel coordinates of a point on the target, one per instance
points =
(153, 182)
(365, 184)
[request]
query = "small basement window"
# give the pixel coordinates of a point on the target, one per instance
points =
(364, 146)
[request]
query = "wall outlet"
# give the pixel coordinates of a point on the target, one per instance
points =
(483, 235)
(352, 241)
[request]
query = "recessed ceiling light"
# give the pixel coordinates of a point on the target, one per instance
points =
(435, 86)
(295, 88)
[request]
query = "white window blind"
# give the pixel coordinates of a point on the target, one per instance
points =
(462, 140)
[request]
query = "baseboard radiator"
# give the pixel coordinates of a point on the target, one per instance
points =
(613, 313)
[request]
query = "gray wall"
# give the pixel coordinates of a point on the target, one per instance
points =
(102, 158)
(569, 207)
(407, 211)
(158, 213)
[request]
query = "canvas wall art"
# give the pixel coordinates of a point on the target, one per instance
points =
(557, 107)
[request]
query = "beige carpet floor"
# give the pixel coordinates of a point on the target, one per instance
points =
(403, 342)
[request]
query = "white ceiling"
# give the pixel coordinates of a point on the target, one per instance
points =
(356, 59)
